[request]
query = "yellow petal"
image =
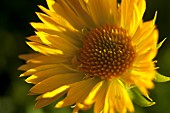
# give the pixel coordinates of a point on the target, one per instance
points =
(99, 12)
(27, 66)
(119, 97)
(90, 98)
(84, 6)
(39, 76)
(52, 5)
(58, 19)
(78, 92)
(142, 80)
(44, 28)
(145, 67)
(131, 14)
(41, 101)
(100, 98)
(35, 38)
(54, 92)
(28, 56)
(75, 38)
(50, 22)
(51, 59)
(79, 106)
(57, 42)
(44, 49)
(149, 43)
(114, 13)
(146, 56)
(142, 7)
(37, 69)
(83, 15)
(65, 9)
(148, 75)
(144, 30)
(59, 68)
(55, 82)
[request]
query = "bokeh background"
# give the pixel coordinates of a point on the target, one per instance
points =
(15, 16)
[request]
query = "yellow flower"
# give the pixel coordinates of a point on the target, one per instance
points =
(98, 52)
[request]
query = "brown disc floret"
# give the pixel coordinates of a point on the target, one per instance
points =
(107, 52)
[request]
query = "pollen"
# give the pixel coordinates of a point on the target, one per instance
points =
(107, 52)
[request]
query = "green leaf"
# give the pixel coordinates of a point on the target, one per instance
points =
(161, 78)
(160, 44)
(140, 99)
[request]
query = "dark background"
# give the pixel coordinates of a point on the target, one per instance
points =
(15, 16)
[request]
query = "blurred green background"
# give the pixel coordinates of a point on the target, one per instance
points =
(15, 16)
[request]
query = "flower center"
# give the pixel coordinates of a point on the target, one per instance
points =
(107, 52)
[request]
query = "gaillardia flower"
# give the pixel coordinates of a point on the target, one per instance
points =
(95, 52)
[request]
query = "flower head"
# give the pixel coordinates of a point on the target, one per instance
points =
(97, 52)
